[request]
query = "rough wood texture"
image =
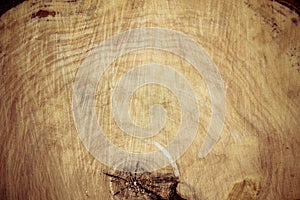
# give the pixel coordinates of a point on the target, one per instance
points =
(255, 45)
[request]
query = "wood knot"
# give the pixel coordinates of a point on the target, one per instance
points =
(143, 185)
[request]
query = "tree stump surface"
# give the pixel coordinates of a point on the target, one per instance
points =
(255, 46)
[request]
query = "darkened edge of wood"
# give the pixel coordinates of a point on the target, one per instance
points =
(293, 5)
(6, 5)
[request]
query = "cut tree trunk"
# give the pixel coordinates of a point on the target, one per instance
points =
(255, 46)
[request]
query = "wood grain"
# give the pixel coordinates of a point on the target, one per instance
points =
(255, 45)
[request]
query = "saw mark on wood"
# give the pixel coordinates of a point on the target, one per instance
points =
(43, 13)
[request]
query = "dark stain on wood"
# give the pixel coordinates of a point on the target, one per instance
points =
(43, 13)
(270, 21)
(292, 94)
(295, 58)
(295, 21)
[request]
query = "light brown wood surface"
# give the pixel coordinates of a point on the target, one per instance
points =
(254, 44)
